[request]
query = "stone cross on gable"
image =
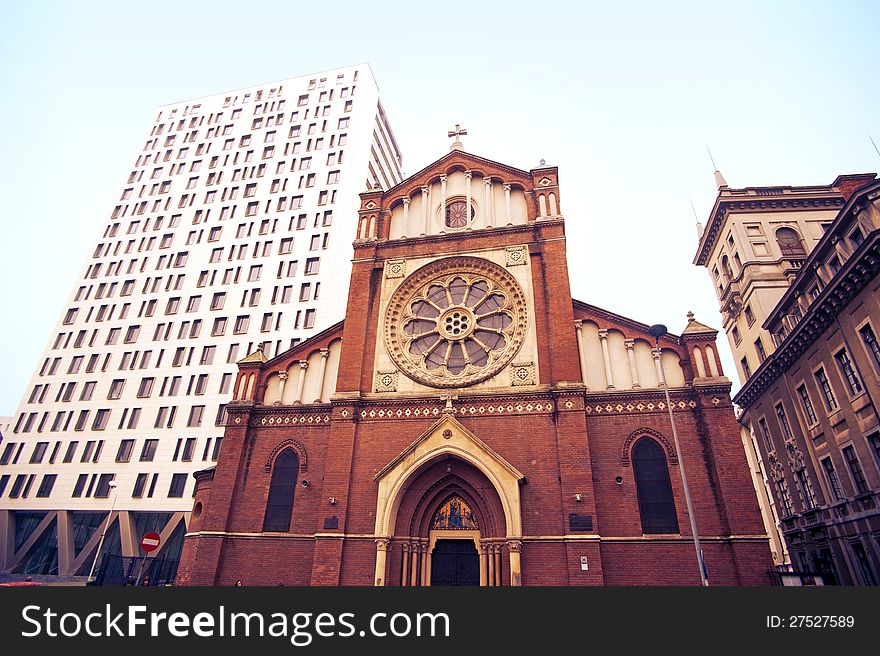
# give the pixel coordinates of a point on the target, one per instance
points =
(448, 398)
(457, 132)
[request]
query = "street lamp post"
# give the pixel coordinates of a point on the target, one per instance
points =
(657, 330)
(112, 485)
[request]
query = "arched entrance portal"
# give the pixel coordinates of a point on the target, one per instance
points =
(451, 529)
(450, 496)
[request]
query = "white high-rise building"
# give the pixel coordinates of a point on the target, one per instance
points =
(231, 233)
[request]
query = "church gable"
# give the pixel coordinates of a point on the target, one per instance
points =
(459, 192)
(304, 374)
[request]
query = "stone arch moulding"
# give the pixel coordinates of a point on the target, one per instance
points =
(296, 446)
(627, 445)
(462, 444)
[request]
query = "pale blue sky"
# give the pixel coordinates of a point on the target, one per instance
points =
(623, 99)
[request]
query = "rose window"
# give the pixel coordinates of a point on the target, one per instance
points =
(457, 215)
(451, 326)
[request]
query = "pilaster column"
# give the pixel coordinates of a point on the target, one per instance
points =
(467, 186)
(655, 353)
(282, 377)
(414, 564)
(442, 202)
(515, 548)
(490, 205)
(404, 570)
(381, 553)
(406, 213)
(490, 548)
(301, 382)
(427, 564)
(425, 211)
(631, 354)
(325, 353)
(426, 572)
(484, 566)
(498, 570)
(507, 204)
(603, 337)
(579, 331)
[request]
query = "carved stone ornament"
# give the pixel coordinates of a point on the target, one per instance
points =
(522, 373)
(455, 322)
(777, 473)
(395, 268)
(796, 460)
(516, 255)
(386, 381)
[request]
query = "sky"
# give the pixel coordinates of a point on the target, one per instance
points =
(624, 99)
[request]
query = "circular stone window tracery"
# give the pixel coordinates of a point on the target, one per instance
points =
(457, 214)
(455, 322)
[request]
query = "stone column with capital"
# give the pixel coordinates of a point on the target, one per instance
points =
(406, 202)
(301, 382)
(325, 353)
(425, 211)
(499, 548)
(282, 381)
(490, 549)
(631, 354)
(507, 214)
(467, 186)
(442, 202)
(426, 569)
(414, 563)
(490, 203)
(382, 545)
(579, 329)
(484, 565)
(603, 337)
(515, 548)
(404, 569)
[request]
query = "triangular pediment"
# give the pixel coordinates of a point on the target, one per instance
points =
(448, 434)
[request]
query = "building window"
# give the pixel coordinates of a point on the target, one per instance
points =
(750, 316)
(747, 371)
(825, 387)
(833, 481)
(807, 405)
(312, 265)
(806, 489)
(867, 575)
(765, 434)
(848, 372)
(783, 422)
(139, 486)
(46, 485)
(784, 497)
(759, 347)
(282, 486)
(870, 342)
(124, 452)
(790, 243)
(148, 452)
(102, 490)
(195, 416)
(39, 452)
(178, 483)
(189, 447)
(656, 503)
(855, 468)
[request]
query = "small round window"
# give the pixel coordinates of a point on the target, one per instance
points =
(457, 214)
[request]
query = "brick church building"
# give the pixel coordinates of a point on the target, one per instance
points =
(469, 423)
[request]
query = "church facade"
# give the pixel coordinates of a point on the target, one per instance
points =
(469, 423)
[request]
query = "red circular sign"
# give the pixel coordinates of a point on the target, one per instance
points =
(150, 542)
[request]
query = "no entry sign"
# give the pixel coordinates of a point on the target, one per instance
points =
(150, 542)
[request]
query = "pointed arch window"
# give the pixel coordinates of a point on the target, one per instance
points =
(790, 243)
(281, 490)
(656, 503)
